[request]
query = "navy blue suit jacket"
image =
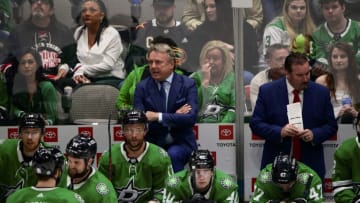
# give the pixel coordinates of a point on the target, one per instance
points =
(182, 91)
(270, 115)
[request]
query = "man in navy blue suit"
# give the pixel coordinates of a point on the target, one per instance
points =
(270, 120)
(171, 114)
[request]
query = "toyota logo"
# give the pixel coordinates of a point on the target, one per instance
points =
(118, 133)
(226, 132)
(50, 134)
(14, 135)
(86, 133)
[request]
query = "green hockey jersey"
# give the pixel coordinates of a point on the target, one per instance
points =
(308, 186)
(96, 188)
(137, 180)
(222, 190)
(323, 38)
(346, 173)
(15, 172)
(44, 195)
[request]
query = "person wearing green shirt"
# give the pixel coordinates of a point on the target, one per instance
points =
(337, 27)
(287, 180)
(47, 164)
(84, 179)
(216, 84)
(136, 168)
(16, 155)
(345, 175)
(30, 91)
(202, 183)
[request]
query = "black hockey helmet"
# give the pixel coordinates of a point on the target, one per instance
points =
(284, 169)
(201, 159)
(81, 146)
(134, 117)
(47, 160)
(32, 120)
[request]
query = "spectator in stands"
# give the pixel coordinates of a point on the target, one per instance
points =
(344, 69)
(5, 21)
(336, 28)
(126, 95)
(163, 24)
(345, 176)
(216, 84)
(194, 14)
(295, 20)
(287, 180)
(202, 182)
(270, 119)
(48, 36)
(136, 168)
(98, 47)
(171, 105)
(218, 25)
(275, 59)
(48, 165)
(29, 90)
(327, 79)
(18, 153)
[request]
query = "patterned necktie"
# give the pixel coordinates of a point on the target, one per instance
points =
(296, 140)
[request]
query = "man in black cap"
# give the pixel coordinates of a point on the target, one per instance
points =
(47, 35)
(163, 24)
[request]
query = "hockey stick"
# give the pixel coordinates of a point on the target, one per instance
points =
(110, 156)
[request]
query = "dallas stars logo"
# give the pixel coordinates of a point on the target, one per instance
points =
(303, 178)
(130, 193)
(173, 181)
(102, 189)
(226, 183)
(8, 190)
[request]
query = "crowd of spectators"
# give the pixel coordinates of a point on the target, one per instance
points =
(182, 71)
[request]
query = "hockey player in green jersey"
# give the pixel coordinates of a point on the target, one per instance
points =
(202, 183)
(48, 164)
(287, 180)
(84, 179)
(16, 155)
(346, 173)
(136, 168)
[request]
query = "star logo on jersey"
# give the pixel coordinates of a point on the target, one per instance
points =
(173, 181)
(303, 178)
(8, 190)
(227, 183)
(130, 193)
(102, 189)
(265, 177)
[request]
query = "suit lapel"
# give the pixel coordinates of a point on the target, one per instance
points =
(174, 92)
(283, 92)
